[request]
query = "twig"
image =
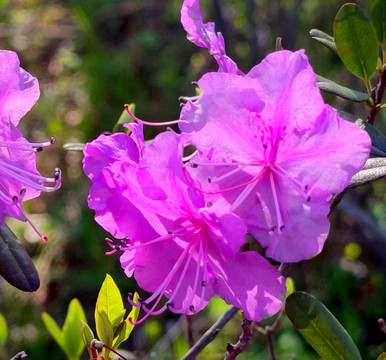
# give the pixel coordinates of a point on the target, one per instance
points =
(189, 331)
(377, 96)
(242, 344)
(268, 332)
(211, 333)
(382, 325)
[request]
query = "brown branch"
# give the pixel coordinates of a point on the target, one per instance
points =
(242, 344)
(211, 333)
(189, 331)
(377, 96)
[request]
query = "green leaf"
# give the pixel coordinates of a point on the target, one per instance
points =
(72, 335)
(110, 301)
(16, 266)
(87, 336)
(325, 39)
(124, 118)
(378, 18)
(320, 328)
(382, 356)
(53, 329)
(128, 327)
(378, 140)
(103, 327)
(356, 41)
(341, 91)
(3, 331)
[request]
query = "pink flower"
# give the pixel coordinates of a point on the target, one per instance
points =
(174, 241)
(204, 35)
(20, 179)
(269, 145)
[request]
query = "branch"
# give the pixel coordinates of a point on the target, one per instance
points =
(211, 333)
(242, 344)
(377, 96)
(375, 168)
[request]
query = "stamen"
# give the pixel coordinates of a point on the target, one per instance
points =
(153, 124)
(276, 201)
(28, 146)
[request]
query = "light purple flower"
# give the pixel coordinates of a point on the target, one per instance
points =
(20, 179)
(174, 242)
(269, 145)
(204, 35)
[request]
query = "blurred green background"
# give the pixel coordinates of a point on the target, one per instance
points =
(93, 56)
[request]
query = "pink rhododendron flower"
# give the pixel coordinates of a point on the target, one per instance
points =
(174, 242)
(20, 180)
(204, 35)
(269, 145)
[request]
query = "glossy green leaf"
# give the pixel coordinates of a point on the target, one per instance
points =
(16, 266)
(103, 327)
(124, 118)
(3, 331)
(378, 18)
(341, 91)
(356, 41)
(325, 39)
(320, 328)
(382, 356)
(72, 335)
(53, 329)
(110, 301)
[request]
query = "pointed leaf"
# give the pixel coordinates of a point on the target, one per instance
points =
(53, 329)
(124, 118)
(320, 328)
(378, 140)
(128, 327)
(341, 91)
(356, 41)
(110, 301)
(87, 336)
(325, 39)
(382, 356)
(72, 336)
(3, 331)
(378, 18)
(103, 327)
(16, 266)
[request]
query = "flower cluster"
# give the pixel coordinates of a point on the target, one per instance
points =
(20, 179)
(269, 155)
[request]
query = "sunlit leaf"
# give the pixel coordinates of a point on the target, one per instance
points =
(53, 329)
(290, 285)
(72, 335)
(3, 331)
(341, 91)
(103, 327)
(320, 328)
(87, 335)
(124, 118)
(325, 39)
(378, 18)
(356, 41)
(16, 266)
(382, 356)
(110, 301)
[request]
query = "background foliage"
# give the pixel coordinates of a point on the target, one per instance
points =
(93, 56)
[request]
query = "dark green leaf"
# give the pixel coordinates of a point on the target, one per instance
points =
(325, 39)
(72, 336)
(341, 91)
(15, 264)
(3, 331)
(320, 328)
(378, 17)
(356, 41)
(378, 140)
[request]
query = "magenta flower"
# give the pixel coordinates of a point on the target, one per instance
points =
(269, 145)
(204, 35)
(20, 180)
(175, 243)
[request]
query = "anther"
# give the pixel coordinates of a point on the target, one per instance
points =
(309, 199)
(209, 180)
(264, 146)
(57, 174)
(191, 308)
(273, 228)
(306, 187)
(215, 281)
(169, 305)
(52, 140)
(282, 228)
(203, 283)
(209, 204)
(39, 148)
(194, 165)
(15, 199)
(22, 192)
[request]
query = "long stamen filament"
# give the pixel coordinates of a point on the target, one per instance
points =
(276, 202)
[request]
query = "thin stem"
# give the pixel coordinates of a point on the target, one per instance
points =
(377, 96)
(242, 344)
(189, 331)
(211, 333)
